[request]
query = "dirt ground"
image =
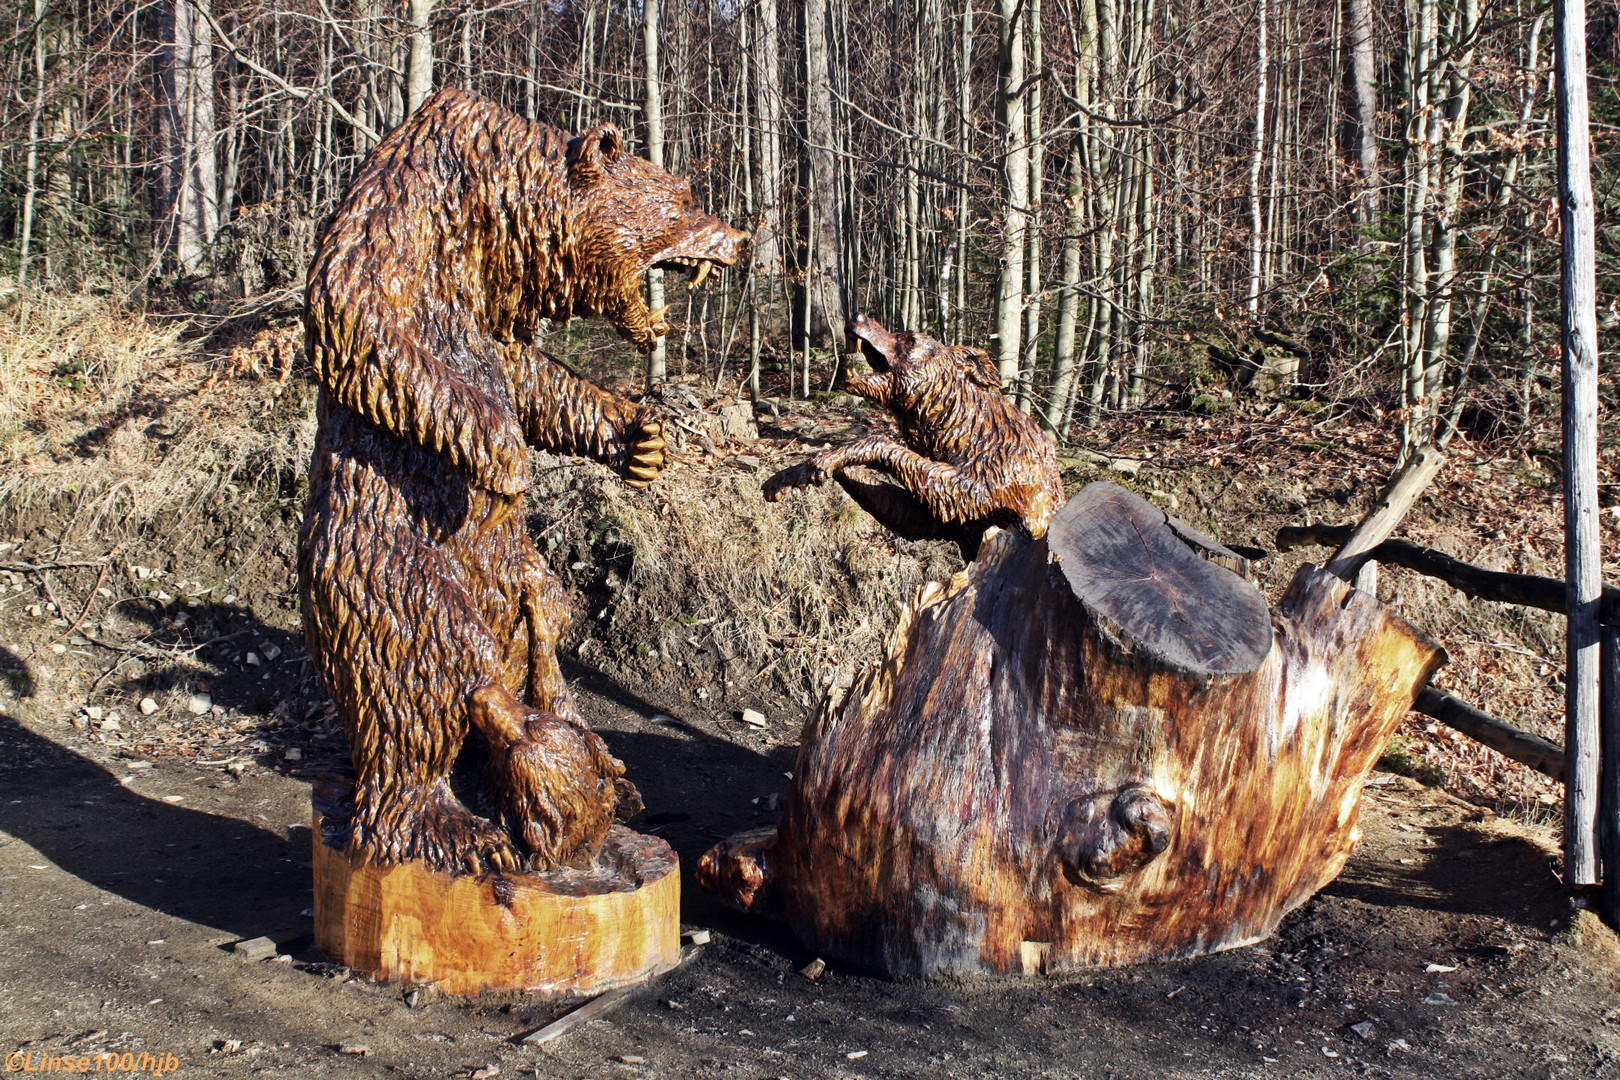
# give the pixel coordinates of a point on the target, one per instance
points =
(146, 552)
(1447, 947)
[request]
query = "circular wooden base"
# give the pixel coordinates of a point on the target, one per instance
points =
(569, 932)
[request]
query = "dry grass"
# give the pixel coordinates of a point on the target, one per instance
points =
(112, 424)
(711, 585)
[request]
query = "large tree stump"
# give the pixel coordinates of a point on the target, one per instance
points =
(1095, 748)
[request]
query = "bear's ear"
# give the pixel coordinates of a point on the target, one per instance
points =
(978, 368)
(592, 153)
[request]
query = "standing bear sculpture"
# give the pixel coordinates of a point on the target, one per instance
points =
(966, 460)
(429, 613)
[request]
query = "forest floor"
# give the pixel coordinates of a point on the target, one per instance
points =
(159, 728)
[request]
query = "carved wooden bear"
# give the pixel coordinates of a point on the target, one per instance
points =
(427, 610)
(970, 460)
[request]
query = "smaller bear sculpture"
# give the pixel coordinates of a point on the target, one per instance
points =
(432, 618)
(969, 459)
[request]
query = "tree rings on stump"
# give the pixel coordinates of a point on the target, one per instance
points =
(566, 932)
(1135, 567)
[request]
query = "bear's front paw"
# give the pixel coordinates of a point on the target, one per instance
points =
(806, 473)
(644, 457)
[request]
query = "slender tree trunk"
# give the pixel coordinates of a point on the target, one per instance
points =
(1032, 258)
(1257, 237)
(768, 98)
(653, 105)
(1015, 192)
(1437, 334)
(1365, 73)
(186, 205)
(32, 172)
(827, 238)
(419, 75)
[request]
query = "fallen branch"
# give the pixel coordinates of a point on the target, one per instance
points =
(1507, 740)
(596, 1007)
(1387, 513)
(1529, 590)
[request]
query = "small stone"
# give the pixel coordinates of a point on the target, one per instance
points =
(1126, 466)
(697, 937)
(93, 712)
(137, 766)
(1433, 969)
(292, 753)
(35, 610)
(630, 1059)
(485, 1073)
(1363, 1030)
(115, 716)
(1439, 997)
(259, 948)
(856, 1055)
(271, 652)
(1329, 1053)
(753, 718)
(228, 598)
(1399, 1044)
(110, 725)
(253, 659)
(813, 969)
(58, 648)
(198, 704)
(148, 706)
(355, 1049)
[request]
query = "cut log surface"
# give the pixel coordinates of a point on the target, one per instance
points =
(1136, 568)
(1021, 787)
(567, 932)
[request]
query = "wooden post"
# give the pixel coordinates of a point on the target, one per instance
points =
(1609, 802)
(1580, 365)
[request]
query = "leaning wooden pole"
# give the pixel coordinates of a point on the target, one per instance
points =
(1580, 367)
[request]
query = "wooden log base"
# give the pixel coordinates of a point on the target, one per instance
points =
(1068, 764)
(565, 933)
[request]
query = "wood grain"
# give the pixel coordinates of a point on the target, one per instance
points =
(564, 932)
(1017, 786)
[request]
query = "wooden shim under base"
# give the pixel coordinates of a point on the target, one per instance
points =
(1019, 786)
(570, 932)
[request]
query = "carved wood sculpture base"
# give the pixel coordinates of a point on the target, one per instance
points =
(569, 932)
(1093, 749)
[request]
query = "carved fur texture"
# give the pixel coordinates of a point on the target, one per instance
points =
(426, 608)
(969, 459)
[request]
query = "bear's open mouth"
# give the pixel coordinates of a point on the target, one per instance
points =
(870, 354)
(697, 269)
(709, 244)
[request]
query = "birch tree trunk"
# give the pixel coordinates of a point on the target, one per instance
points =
(186, 199)
(1257, 238)
(1365, 73)
(1437, 331)
(653, 106)
(1032, 257)
(32, 170)
(1015, 192)
(419, 74)
(767, 68)
(827, 264)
